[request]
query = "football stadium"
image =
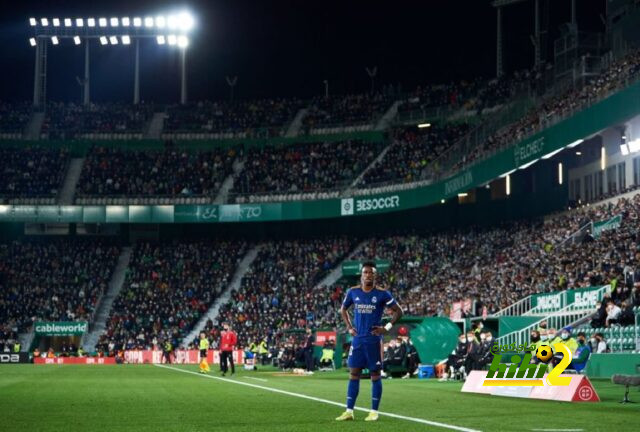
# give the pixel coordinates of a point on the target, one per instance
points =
(310, 216)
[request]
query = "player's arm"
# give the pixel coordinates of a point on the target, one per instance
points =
(344, 312)
(396, 314)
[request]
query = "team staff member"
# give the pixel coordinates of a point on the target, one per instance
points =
(228, 341)
(204, 347)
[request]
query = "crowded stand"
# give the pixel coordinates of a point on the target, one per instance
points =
(167, 289)
(108, 120)
(31, 172)
(358, 111)
(56, 280)
(476, 95)
(240, 118)
(171, 172)
(411, 152)
(303, 168)
(279, 291)
(555, 107)
(14, 117)
(499, 266)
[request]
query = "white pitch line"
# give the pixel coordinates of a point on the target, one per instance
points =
(302, 396)
(558, 430)
(257, 379)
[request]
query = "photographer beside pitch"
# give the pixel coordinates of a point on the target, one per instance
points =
(366, 347)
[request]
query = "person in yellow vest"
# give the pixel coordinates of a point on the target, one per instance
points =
(263, 352)
(204, 347)
(16, 347)
(565, 338)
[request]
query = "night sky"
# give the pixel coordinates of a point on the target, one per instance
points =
(284, 48)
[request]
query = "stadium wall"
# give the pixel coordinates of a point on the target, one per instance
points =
(606, 365)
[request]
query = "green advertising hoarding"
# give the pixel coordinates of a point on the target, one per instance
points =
(616, 108)
(606, 225)
(353, 268)
(61, 328)
(585, 298)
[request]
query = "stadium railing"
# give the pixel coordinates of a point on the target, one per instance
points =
(517, 309)
(566, 316)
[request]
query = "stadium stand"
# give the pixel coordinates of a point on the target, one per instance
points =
(30, 173)
(303, 168)
(413, 150)
(556, 106)
(357, 111)
(13, 118)
(266, 117)
(278, 291)
(111, 120)
(125, 174)
(167, 288)
(53, 280)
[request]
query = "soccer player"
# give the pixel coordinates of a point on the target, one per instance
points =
(204, 346)
(366, 347)
(228, 340)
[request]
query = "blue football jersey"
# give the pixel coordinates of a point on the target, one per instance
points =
(367, 311)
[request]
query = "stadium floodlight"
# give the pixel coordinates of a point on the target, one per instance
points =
(54, 40)
(102, 22)
(79, 22)
(76, 40)
(113, 40)
(441, 201)
(183, 41)
(463, 195)
(185, 21)
(161, 22)
(508, 185)
(126, 22)
(68, 22)
(137, 22)
(56, 22)
(103, 40)
(33, 22)
(148, 22)
(115, 22)
(44, 22)
(91, 22)
(172, 39)
(424, 125)
(126, 40)
(161, 40)
(32, 41)
(172, 22)
(603, 158)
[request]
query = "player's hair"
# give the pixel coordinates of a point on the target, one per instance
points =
(371, 264)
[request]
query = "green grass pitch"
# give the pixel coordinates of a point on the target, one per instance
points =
(150, 398)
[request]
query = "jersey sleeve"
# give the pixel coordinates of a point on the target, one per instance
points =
(348, 301)
(388, 299)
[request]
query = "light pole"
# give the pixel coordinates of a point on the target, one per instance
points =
(231, 82)
(372, 75)
(171, 29)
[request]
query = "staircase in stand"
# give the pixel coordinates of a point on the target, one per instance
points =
(99, 324)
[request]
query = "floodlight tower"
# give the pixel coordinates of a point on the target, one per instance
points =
(540, 30)
(171, 29)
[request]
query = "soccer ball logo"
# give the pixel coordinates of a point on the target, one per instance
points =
(544, 353)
